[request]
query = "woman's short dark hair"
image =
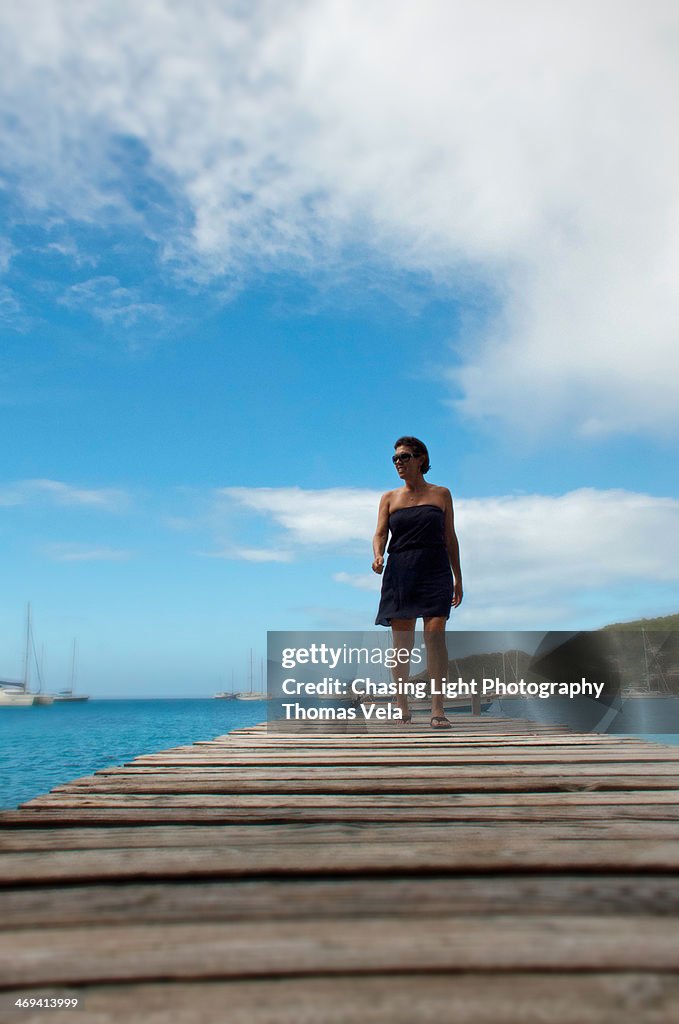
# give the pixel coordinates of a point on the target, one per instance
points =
(417, 447)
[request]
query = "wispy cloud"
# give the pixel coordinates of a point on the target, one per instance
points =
(7, 250)
(362, 581)
(72, 252)
(76, 552)
(252, 554)
(55, 492)
(11, 311)
(105, 298)
(523, 147)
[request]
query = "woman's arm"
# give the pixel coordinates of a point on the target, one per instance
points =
(453, 549)
(381, 534)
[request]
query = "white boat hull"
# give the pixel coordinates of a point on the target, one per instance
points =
(15, 698)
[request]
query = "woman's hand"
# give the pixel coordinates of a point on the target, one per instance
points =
(381, 534)
(457, 594)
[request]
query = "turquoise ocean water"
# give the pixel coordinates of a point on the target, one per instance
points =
(44, 746)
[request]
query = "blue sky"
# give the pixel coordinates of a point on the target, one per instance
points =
(240, 254)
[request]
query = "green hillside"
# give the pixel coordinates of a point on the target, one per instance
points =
(661, 622)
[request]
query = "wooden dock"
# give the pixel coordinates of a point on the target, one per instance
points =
(500, 871)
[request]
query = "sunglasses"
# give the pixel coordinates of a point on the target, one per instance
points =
(404, 457)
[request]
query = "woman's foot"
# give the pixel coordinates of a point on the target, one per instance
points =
(405, 719)
(440, 722)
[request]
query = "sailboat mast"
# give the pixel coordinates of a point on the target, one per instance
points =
(27, 657)
(73, 660)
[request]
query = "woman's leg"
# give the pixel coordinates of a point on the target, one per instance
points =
(402, 635)
(437, 665)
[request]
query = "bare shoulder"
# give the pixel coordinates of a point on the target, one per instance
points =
(386, 500)
(443, 493)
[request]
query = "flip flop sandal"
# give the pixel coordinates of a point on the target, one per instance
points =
(440, 718)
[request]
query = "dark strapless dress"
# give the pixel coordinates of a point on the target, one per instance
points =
(417, 581)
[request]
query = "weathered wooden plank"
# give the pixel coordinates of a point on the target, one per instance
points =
(421, 711)
(440, 737)
(373, 770)
(282, 768)
(469, 754)
(420, 727)
(424, 737)
(405, 759)
(347, 800)
(461, 720)
(61, 837)
(412, 733)
(645, 814)
(405, 737)
(338, 945)
(359, 729)
(469, 781)
(263, 899)
(408, 741)
(649, 752)
(491, 998)
(284, 773)
(419, 737)
(408, 736)
(402, 737)
(481, 856)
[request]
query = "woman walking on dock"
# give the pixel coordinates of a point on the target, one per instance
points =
(422, 578)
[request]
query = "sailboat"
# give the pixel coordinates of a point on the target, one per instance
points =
(226, 694)
(40, 697)
(250, 694)
(15, 693)
(68, 693)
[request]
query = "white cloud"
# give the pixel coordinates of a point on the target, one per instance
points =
(582, 540)
(521, 555)
(527, 147)
(362, 581)
(252, 554)
(55, 492)
(333, 516)
(75, 552)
